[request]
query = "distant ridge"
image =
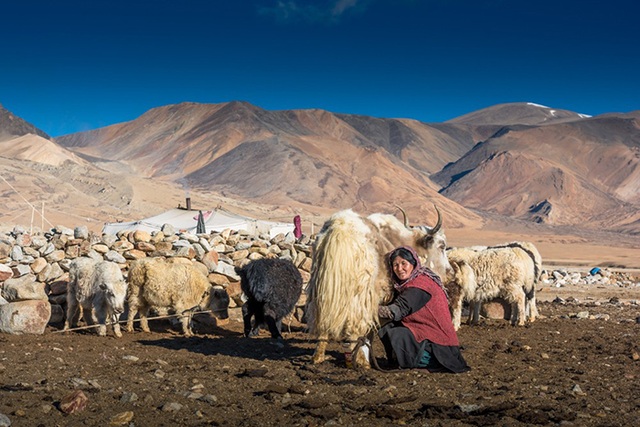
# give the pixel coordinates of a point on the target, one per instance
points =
(584, 171)
(11, 125)
(517, 161)
(37, 149)
(517, 113)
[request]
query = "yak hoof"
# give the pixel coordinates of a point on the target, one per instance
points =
(318, 359)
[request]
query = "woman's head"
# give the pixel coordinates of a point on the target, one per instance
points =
(402, 262)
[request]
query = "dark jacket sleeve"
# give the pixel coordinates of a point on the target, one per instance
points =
(409, 301)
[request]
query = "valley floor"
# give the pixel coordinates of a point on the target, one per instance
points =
(578, 365)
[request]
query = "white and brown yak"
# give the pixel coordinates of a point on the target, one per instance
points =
(349, 278)
(510, 271)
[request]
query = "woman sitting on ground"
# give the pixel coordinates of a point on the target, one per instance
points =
(420, 333)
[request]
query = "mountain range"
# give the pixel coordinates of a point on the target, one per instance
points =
(514, 162)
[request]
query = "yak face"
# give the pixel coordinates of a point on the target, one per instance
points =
(112, 285)
(433, 247)
(112, 297)
(219, 303)
(431, 243)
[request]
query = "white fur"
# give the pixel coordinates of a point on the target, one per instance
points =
(461, 286)
(349, 277)
(100, 289)
(510, 271)
(155, 283)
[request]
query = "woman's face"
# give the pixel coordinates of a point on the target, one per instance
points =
(402, 268)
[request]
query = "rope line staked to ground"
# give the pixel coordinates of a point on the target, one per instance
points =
(168, 316)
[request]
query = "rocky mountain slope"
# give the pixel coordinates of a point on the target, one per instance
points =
(12, 126)
(583, 171)
(305, 159)
(521, 161)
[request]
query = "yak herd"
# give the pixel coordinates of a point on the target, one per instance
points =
(153, 283)
(348, 282)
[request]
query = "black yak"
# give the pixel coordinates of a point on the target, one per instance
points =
(272, 286)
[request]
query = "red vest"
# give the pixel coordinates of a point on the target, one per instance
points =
(433, 320)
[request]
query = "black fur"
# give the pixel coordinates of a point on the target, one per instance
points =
(273, 286)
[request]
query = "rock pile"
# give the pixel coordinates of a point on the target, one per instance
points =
(34, 268)
(595, 277)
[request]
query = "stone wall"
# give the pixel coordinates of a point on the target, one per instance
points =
(34, 269)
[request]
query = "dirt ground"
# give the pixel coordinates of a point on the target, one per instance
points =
(579, 365)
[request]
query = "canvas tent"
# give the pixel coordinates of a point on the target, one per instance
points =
(214, 220)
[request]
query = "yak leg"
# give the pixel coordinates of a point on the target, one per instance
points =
(116, 325)
(133, 310)
(130, 317)
(115, 321)
(274, 326)
(101, 314)
(87, 315)
(531, 306)
(185, 319)
(474, 312)
(73, 313)
(518, 316)
(321, 347)
(470, 315)
(247, 314)
(143, 313)
(456, 312)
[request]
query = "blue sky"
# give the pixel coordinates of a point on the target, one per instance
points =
(74, 65)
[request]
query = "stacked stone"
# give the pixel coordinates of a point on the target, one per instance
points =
(603, 277)
(34, 269)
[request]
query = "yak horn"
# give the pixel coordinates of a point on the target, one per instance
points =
(404, 216)
(436, 227)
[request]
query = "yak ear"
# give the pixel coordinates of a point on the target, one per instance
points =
(455, 266)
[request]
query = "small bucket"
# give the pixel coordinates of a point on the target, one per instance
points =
(365, 350)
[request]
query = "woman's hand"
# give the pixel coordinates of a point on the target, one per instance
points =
(384, 312)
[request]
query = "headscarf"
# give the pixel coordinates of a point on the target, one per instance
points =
(417, 270)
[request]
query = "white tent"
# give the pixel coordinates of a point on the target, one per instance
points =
(214, 220)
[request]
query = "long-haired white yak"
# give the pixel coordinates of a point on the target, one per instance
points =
(349, 278)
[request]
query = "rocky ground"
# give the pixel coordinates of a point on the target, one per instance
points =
(579, 365)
